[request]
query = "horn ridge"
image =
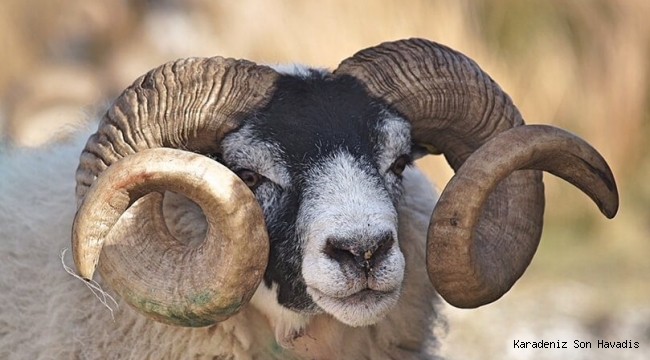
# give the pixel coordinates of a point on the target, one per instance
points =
(199, 292)
(455, 108)
(188, 104)
(158, 110)
(460, 268)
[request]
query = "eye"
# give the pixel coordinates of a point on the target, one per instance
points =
(250, 178)
(400, 164)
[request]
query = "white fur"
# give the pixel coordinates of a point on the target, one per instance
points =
(263, 157)
(299, 70)
(47, 314)
(286, 324)
(344, 201)
(395, 137)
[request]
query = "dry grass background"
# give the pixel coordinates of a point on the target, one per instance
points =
(582, 65)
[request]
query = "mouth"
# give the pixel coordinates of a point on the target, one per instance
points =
(363, 308)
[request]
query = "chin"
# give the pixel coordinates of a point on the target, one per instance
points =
(364, 308)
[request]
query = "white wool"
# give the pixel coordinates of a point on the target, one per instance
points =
(47, 314)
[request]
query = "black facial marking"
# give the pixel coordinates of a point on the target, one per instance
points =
(309, 119)
(313, 117)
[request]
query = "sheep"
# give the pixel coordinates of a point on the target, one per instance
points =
(243, 212)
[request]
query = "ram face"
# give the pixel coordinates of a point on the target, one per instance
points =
(325, 162)
(307, 199)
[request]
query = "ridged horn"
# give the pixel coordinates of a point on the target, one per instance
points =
(455, 108)
(190, 105)
(456, 262)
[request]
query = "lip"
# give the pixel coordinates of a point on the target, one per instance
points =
(360, 296)
(367, 305)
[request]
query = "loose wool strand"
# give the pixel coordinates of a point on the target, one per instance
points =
(104, 297)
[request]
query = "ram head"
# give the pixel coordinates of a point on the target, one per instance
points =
(305, 188)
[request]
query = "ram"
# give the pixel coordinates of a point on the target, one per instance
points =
(244, 212)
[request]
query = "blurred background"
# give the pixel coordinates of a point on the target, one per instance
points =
(578, 64)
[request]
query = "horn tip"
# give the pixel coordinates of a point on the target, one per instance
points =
(85, 268)
(85, 257)
(608, 204)
(610, 209)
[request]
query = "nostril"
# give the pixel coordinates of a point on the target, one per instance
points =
(337, 250)
(385, 244)
(346, 251)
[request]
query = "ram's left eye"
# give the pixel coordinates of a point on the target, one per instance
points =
(250, 178)
(400, 164)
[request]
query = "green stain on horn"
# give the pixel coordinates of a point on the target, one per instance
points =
(183, 314)
(200, 298)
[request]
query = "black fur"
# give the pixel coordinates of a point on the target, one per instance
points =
(309, 119)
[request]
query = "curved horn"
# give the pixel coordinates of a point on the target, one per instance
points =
(201, 285)
(454, 108)
(455, 260)
(188, 104)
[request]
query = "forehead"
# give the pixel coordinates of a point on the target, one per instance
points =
(315, 115)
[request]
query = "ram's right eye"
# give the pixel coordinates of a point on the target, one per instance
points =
(400, 165)
(250, 178)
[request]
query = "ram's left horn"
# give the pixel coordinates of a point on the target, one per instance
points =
(456, 259)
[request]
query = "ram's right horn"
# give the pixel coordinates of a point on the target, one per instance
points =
(188, 104)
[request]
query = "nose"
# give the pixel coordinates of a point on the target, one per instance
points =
(362, 253)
